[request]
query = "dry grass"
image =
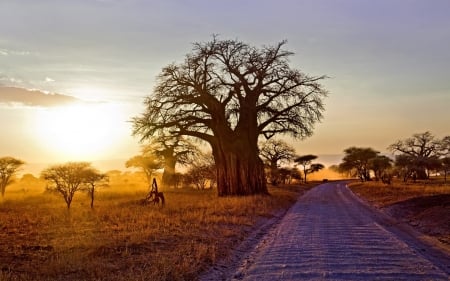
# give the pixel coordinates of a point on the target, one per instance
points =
(123, 240)
(382, 195)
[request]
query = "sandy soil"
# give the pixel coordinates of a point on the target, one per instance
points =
(430, 215)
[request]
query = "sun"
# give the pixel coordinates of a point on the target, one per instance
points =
(80, 131)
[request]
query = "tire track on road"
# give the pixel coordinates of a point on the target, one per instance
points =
(331, 235)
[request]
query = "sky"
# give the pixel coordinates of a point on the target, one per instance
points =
(90, 63)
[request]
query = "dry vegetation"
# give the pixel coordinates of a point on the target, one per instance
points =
(122, 240)
(424, 205)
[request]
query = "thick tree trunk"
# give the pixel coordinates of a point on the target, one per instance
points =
(240, 171)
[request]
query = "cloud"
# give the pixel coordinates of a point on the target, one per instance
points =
(6, 52)
(14, 95)
(49, 80)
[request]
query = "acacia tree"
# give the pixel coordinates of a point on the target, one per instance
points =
(228, 93)
(8, 167)
(305, 161)
(92, 178)
(357, 159)
(66, 179)
(275, 152)
(380, 164)
(147, 163)
(315, 167)
(173, 150)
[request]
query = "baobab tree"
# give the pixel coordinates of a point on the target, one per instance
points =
(275, 152)
(8, 167)
(173, 151)
(228, 93)
(424, 149)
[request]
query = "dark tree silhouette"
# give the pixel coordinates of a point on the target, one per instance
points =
(315, 167)
(380, 164)
(357, 160)
(275, 152)
(147, 163)
(173, 150)
(305, 161)
(424, 149)
(201, 172)
(228, 93)
(8, 167)
(445, 167)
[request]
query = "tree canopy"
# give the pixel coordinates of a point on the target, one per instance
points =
(421, 153)
(275, 152)
(228, 94)
(357, 161)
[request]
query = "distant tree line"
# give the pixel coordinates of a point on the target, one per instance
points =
(414, 158)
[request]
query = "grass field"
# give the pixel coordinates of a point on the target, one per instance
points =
(382, 195)
(122, 240)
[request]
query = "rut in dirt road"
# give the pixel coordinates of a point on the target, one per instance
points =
(329, 234)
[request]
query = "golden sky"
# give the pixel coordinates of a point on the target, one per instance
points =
(91, 63)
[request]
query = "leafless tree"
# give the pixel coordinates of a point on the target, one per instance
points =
(8, 168)
(424, 148)
(173, 150)
(275, 152)
(228, 93)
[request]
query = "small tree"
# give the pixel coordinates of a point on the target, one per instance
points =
(92, 178)
(202, 172)
(276, 152)
(66, 179)
(445, 167)
(173, 150)
(148, 164)
(315, 167)
(8, 167)
(305, 161)
(358, 159)
(380, 164)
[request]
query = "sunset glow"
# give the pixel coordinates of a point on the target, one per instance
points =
(79, 131)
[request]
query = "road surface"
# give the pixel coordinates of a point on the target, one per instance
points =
(330, 234)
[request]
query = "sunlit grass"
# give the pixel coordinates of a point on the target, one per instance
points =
(122, 240)
(383, 195)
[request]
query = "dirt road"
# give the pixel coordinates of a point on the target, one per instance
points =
(329, 234)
